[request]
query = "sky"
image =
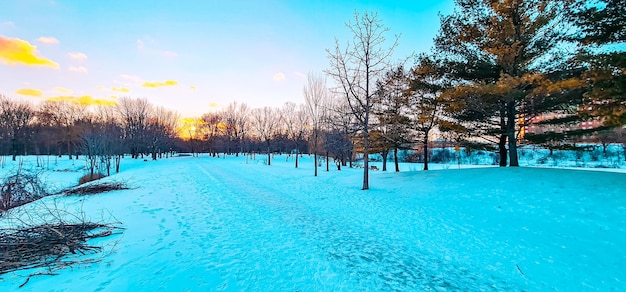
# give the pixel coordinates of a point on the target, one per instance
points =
(187, 56)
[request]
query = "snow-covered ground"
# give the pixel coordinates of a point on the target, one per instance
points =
(212, 224)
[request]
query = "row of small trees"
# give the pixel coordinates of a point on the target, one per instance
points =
(102, 133)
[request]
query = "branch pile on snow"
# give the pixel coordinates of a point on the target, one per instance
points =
(48, 245)
(96, 188)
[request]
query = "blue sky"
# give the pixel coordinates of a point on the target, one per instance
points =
(188, 55)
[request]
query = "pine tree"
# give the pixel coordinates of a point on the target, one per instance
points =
(509, 49)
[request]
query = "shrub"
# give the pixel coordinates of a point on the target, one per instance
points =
(19, 189)
(88, 177)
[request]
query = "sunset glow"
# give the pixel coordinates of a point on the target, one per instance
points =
(191, 57)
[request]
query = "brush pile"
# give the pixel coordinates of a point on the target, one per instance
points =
(49, 245)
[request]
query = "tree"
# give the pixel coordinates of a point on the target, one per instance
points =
(356, 68)
(602, 35)
(15, 117)
(134, 115)
(392, 110)
(316, 96)
(264, 121)
(64, 115)
(426, 101)
(294, 120)
(501, 53)
(214, 126)
(160, 131)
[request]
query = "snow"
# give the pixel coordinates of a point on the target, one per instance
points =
(215, 224)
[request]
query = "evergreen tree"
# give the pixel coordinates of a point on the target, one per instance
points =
(501, 55)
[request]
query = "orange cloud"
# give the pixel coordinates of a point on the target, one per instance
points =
(85, 100)
(29, 92)
(77, 56)
(48, 40)
(121, 89)
(14, 51)
(159, 83)
(192, 87)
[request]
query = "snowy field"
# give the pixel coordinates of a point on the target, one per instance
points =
(214, 224)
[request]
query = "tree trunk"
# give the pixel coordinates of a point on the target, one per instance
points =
(511, 127)
(118, 159)
(502, 150)
(297, 156)
(366, 184)
(327, 161)
(503, 130)
(395, 159)
(269, 162)
(385, 154)
(315, 160)
(69, 151)
(426, 152)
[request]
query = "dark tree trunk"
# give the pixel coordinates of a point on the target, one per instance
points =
(395, 159)
(315, 160)
(327, 161)
(385, 154)
(426, 152)
(502, 150)
(511, 127)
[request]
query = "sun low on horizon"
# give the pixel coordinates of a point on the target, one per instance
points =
(187, 56)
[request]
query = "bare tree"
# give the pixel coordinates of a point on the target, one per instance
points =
(15, 117)
(213, 126)
(264, 121)
(356, 68)
(294, 122)
(300, 128)
(134, 115)
(64, 114)
(161, 129)
(316, 97)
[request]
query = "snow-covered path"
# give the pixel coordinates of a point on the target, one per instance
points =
(209, 224)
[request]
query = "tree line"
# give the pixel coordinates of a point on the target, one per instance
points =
(495, 68)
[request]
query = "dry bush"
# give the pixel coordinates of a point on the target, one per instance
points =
(19, 189)
(88, 177)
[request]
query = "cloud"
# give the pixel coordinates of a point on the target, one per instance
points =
(63, 90)
(159, 83)
(78, 69)
(299, 74)
(170, 54)
(140, 45)
(120, 89)
(279, 76)
(86, 100)
(192, 87)
(100, 87)
(77, 56)
(14, 51)
(29, 92)
(48, 40)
